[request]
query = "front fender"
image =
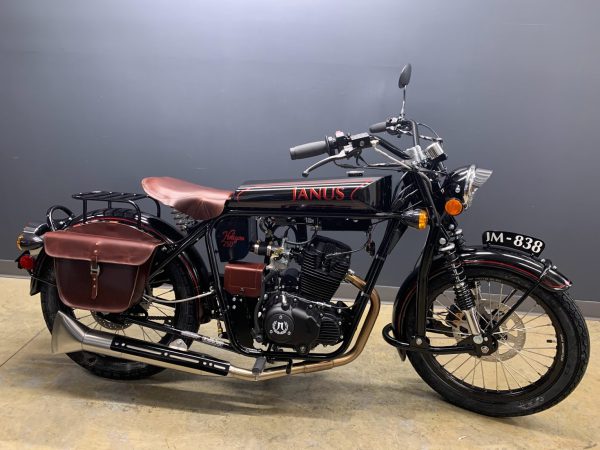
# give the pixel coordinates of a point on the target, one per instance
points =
(488, 257)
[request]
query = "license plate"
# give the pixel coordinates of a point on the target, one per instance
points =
(516, 241)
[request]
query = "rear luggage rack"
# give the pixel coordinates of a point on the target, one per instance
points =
(98, 196)
(115, 197)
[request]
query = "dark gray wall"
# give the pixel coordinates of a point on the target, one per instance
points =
(100, 94)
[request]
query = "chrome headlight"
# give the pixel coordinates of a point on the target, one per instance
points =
(464, 182)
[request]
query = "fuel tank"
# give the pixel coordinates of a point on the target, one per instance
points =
(356, 195)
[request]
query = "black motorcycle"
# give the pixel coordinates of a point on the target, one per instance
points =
(490, 327)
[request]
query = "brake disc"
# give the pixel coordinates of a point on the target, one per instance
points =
(510, 336)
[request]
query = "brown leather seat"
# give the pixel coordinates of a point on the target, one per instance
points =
(198, 202)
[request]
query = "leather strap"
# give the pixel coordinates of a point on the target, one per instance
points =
(94, 273)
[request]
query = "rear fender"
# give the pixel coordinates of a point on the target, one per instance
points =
(487, 257)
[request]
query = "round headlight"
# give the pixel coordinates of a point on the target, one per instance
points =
(466, 181)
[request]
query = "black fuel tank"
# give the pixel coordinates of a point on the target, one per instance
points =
(352, 195)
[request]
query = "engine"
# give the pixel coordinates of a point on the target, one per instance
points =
(302, 316)
(291, 321)
(292, 307)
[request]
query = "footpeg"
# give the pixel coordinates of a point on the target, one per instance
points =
(259, 365)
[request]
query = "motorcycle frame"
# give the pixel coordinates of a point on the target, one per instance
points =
(394, 231)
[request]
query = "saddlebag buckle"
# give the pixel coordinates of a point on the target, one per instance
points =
(94, 273)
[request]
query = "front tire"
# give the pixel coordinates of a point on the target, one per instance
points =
(531, 385)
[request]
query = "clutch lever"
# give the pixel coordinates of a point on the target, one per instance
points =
(343, 154)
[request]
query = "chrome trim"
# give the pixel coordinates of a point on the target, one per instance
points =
(31, 238)
(473, 321)
(68, 336)
(434, 151)
(474, 179)
(415, 153)
(163, 301)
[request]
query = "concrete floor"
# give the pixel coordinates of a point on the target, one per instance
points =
(46, 401)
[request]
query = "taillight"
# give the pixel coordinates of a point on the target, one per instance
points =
(26, 261)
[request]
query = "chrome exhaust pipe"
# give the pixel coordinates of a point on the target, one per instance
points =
(69, 336)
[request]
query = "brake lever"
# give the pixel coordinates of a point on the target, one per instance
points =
(422, 136)
(343, 154)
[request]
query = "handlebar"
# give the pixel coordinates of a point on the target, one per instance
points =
(399, 126)
(310, 149)
(378, 127)
(346, 146)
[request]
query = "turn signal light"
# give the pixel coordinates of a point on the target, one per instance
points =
(416, 218)
(453, 206)
(423, 219)
(29, 240)
(19, 242)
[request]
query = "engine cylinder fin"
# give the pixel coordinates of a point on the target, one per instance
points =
(324, 266)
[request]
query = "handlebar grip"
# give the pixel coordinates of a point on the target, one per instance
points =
(378, 127)
(309, 150)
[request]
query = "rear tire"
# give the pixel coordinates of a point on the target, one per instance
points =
(564, 373)
(185, 318)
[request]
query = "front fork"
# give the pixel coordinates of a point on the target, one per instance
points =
(464, 296)
(463, 291)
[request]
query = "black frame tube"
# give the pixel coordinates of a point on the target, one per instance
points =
(394, 231)
(447, 350)
(360, 303)
(423, 278)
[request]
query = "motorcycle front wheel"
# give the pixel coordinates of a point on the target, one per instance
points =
(542, 349)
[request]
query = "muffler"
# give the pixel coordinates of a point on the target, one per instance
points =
(69, 336)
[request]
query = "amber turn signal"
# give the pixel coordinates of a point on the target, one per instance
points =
(19, 239)
(416, 218)
(453, 206)
(423, 219)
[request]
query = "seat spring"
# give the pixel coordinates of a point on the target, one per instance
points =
(182, 220)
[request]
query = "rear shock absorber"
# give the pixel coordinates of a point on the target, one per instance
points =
(464, 297)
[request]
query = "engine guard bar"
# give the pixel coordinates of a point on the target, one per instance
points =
(424, 347)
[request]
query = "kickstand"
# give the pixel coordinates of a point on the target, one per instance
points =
(259, 365)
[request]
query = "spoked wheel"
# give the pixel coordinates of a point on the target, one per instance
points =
(172, 283)
(538, 356)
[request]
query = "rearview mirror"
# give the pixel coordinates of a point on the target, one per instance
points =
(404, 76)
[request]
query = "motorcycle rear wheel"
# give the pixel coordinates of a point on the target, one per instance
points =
(183, 316)
(545, 369)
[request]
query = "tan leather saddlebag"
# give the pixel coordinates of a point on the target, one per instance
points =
(101, 266)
